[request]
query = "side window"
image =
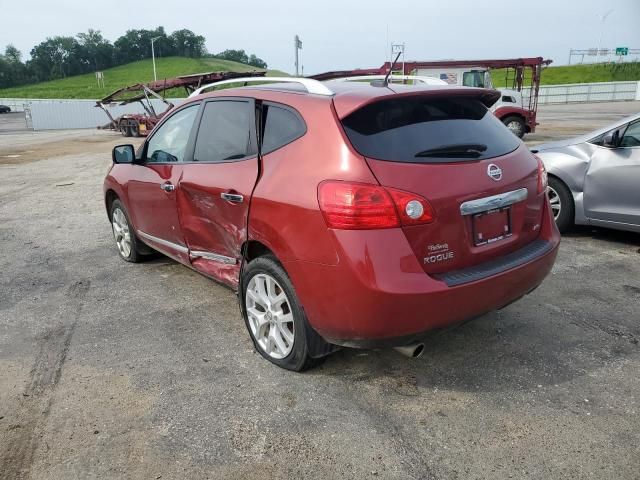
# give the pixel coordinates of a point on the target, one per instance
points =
(599, 140)
(631, 137)
(280, 126)
(224, 132)
(169, 143)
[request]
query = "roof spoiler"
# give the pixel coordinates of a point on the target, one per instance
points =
(347, 104)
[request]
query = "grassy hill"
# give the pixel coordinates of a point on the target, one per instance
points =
(85, 86)
(602, 72)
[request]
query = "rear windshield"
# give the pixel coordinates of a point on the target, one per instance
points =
(428, 130)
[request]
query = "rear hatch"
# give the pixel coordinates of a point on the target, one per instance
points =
(479, 178)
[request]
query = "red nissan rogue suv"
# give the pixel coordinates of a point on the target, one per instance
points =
(343, 213)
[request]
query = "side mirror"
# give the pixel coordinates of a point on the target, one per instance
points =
(123, 154)
(611, 139)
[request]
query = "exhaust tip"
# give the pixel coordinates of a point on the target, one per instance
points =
(413, 350)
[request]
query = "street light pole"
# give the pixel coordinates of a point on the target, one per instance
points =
(153, 57)
(297, 43)
(603, 18)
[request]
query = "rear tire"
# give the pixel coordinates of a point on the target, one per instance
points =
(516, 125)
(562, 204)
(126, 131)
(274, 317)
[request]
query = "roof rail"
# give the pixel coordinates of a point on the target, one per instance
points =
(312, 86)
(417, 78)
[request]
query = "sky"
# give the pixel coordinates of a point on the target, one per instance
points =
(344, 34)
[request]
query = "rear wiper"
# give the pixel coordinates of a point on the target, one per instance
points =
(461, 149)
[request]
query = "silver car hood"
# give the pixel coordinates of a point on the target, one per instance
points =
(583, 138)
(561, 143)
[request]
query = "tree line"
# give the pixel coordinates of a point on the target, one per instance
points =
(60, 56)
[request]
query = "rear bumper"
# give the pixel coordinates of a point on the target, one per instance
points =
(379, 294)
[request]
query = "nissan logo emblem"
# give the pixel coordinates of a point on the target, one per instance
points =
(494, 171)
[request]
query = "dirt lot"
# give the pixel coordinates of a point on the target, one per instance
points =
(12, 122)
(113, 370)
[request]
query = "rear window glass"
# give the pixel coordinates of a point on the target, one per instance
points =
(428, 130)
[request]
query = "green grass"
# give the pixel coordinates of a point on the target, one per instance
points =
(561, 75)
(85, 86)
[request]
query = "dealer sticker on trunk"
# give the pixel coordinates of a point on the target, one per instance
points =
(438, 252)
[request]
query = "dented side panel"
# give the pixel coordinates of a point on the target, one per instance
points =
(209, 222)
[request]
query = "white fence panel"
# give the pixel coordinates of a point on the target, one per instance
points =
(587, 92)
(68, 114)
(53, 114)
(15, 104)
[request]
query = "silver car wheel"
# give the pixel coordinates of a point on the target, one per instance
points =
(270, 317)
(121, 232)
(554, 200)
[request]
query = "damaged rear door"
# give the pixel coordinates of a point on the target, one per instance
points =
(216, 186)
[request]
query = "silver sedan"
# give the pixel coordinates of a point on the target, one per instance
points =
(594, 179)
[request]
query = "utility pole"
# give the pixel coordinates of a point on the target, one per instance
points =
(297, 43)
(603, 18)
(153, 56)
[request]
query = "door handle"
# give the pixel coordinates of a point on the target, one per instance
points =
(167, 186)
(232, 197)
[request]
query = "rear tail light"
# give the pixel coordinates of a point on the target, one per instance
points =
(542, 176)
(358, 206)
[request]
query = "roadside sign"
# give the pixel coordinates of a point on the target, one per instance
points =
(622, 51)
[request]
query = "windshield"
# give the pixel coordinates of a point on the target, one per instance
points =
(428, 130)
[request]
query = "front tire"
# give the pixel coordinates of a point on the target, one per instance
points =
(274, 317)
(516, 125)
(128, 245)
(562, 205)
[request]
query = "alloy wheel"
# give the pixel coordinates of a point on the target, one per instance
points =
(554, 200)
(121, 232)
(270, 317)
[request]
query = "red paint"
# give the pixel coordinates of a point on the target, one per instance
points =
(211, 223)
(153, 210)
(446, 186)
(353, 284)
(379, 289)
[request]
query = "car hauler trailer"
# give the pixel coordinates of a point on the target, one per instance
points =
(518, 104)
(140, 124)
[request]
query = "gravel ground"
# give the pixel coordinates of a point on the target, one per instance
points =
(113, 370)
(12, 122)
